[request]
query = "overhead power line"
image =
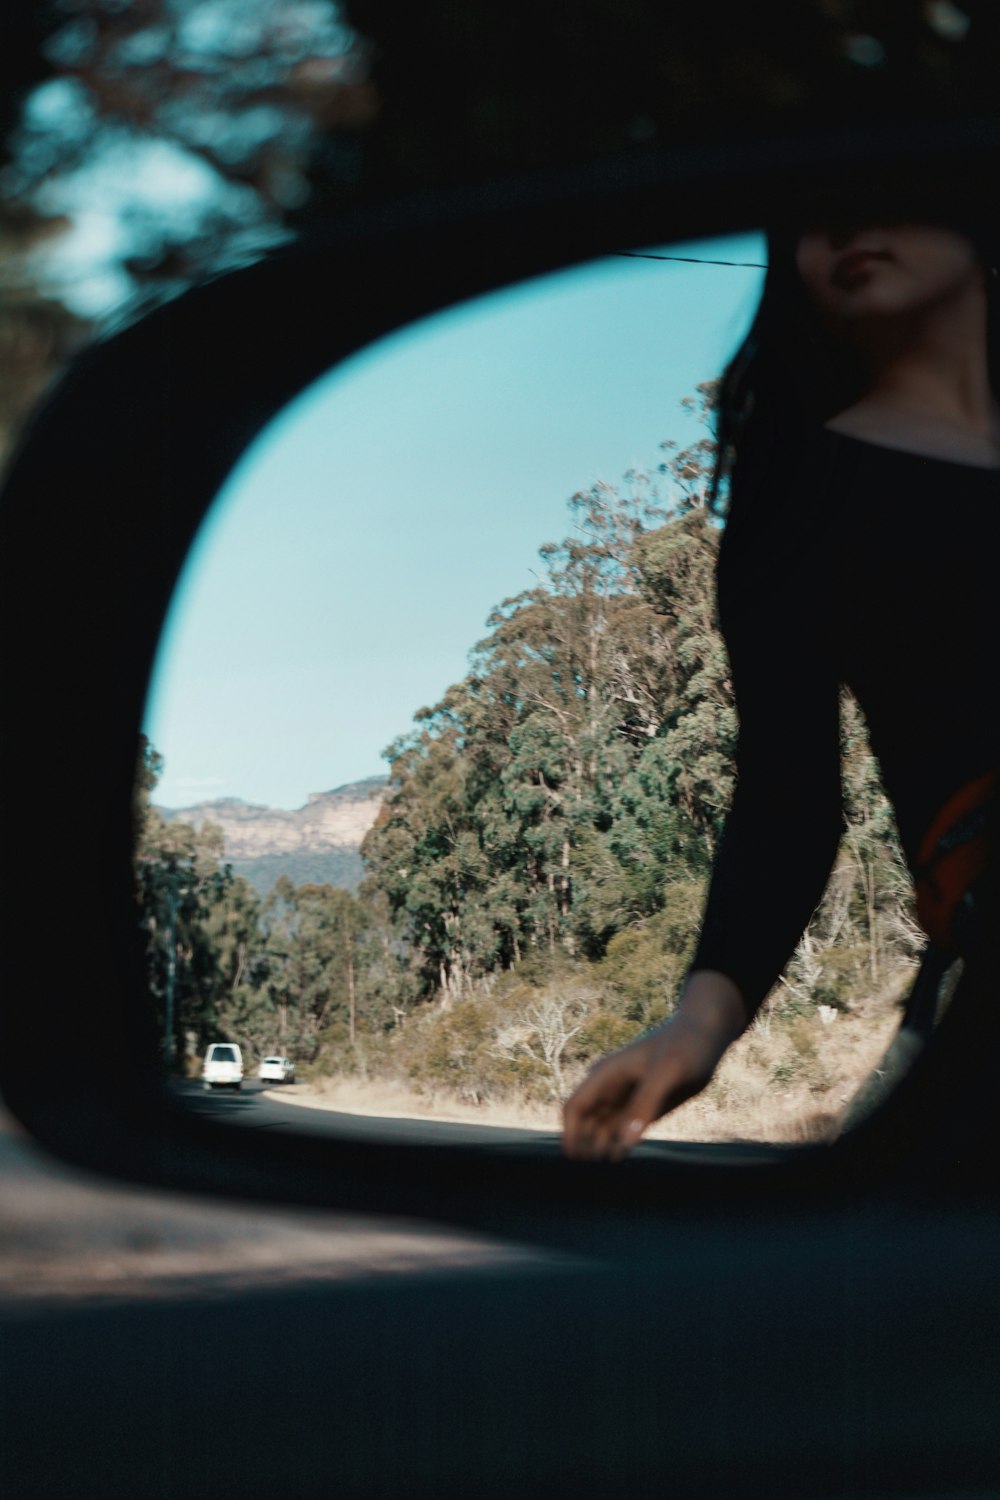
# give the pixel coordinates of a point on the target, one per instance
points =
(692, 260)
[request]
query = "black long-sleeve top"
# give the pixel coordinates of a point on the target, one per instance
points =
(846, 562)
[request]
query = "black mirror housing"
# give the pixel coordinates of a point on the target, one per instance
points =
(101, 502)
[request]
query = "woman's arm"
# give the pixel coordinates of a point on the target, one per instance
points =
(627, 1091)
(774, 858)
(785, 820)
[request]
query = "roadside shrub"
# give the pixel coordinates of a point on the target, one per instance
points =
(645, 965)
(601, 1033)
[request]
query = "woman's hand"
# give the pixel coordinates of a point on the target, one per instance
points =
(626, 1092)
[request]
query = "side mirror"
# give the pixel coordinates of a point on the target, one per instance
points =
(100, 505)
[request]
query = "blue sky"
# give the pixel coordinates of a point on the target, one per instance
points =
(352, 558)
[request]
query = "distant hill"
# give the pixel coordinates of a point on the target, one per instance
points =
(341, 867)
(317, 843)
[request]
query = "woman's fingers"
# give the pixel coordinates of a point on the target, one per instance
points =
(627, 1133)
(591, 1114)
(618, 1101)
(657, 1094)
(653, 1096)
(648, 1101)
(621, 1097)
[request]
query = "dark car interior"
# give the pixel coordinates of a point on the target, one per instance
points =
(757, 1320)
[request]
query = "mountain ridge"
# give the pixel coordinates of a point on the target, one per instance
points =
(316, 843)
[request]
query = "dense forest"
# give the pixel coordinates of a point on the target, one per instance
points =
(535, 877)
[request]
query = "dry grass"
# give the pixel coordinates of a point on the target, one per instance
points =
(391, 1100)
(787, 1079)
(787, 1082)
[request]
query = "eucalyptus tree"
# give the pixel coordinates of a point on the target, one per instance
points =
(311, 973)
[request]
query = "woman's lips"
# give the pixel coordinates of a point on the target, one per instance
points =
(856, 264)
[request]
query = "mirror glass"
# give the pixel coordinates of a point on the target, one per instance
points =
(439, 740)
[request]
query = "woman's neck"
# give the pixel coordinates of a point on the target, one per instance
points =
(972, 409)
(933, 368)
(931, 437)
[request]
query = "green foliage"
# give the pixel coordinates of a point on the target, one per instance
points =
(339, 867)
(602, 1033)
(546, 802)
(536, 876)
(645, 964)
(458, 1054)
(200, 920)
(514, 1039)
(311, 973)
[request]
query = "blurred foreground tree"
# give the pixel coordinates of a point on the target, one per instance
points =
(149, 143)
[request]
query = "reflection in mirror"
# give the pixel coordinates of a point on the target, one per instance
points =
(440, 739)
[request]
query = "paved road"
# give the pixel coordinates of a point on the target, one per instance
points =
(152, 1345)
(66, 1236)
(261, 1107)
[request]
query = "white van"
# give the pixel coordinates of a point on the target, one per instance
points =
(223, 1066)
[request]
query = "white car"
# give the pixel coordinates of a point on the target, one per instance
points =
(223, 1066)
(277, 1070)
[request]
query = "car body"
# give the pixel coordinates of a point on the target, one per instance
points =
(223, 1066)
(277, 1070)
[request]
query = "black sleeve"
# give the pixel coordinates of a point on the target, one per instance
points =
(783, 829)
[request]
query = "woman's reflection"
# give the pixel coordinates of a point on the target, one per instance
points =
(861, 435)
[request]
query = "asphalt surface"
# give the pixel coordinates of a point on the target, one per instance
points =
(70, 1238)
(260, 1106)
(67, 1237)
(154, 1345)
